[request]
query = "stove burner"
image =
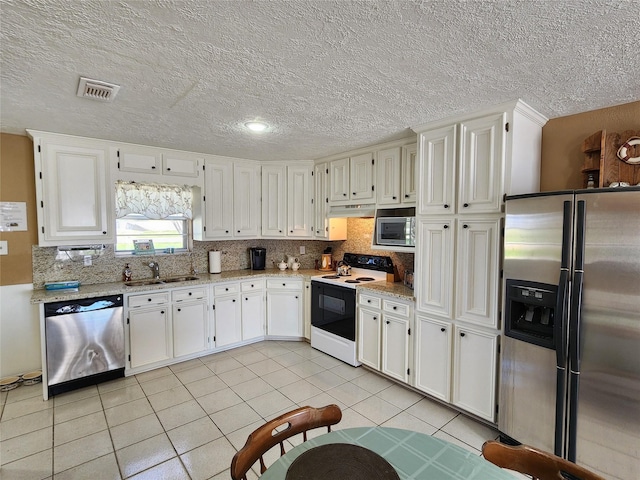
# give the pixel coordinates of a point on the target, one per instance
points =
(365, 279)
(330, 276)
(351, 281)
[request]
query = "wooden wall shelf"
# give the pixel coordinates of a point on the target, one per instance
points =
(601, 159)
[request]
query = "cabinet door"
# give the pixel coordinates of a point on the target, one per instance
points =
(190, 333)
(361, 177)
(182, 165)
(433, 357)
(437, 171)
(434, 279)
(284, 314)
(228, 320)
(246, 200)
(299, 206)
(274, 200)
(149, 336)
(321, 177)
(339, 181)
(252, 315)
(369, 337)
(75, 199)
(218, 199)
(388, 175)
(481, 165)
(477, 275)
(136, 159)
(395, 347)
(307, 310)
(409, 173)
(474, 371)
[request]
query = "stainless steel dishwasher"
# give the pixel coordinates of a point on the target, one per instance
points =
(84, 342)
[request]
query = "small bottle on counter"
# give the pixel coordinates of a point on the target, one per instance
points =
(591, 182)
(126, 273)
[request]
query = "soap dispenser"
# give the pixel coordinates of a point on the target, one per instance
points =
(126, 273)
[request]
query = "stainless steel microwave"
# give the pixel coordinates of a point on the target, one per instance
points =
(396, 231)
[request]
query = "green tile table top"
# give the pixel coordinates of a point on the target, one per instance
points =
(415, 456)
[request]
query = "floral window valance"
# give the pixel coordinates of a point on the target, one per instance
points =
(153, 200)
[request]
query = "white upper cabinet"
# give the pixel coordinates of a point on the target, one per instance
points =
(477, 275)
(409, 173)
(352, 180)
(474, 159)
(436, 168)
(155, 161)
(362, 177)
(321, 200)
(300, 201)
(274, 200)
(481, 164)
(388, 175)
(218, 199)
(72, 190)
(246, 200)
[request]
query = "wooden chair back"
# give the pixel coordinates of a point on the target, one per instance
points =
(531, 461)
(277, 431)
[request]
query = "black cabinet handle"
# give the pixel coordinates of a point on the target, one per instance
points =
(226, 231)
(162, 312)
(443, 329)
(190, 293)
(388, 322)
(446, 226)
(168, 169)
(375, 318)
(226, 289)
(406, 195)
(462, 334)
(246, 298)
(279, 231)
(179, 309)
(354, 194)
(446, 205)
(395, 308)
(238, 231)
(465, 205)
(368, 301)
(153, 167)
(307, 286)
(284, 284)
(252, 285)
(104, 233)
(291, 231)
(344, 194)
(149, 299)
(393, 198)
(465, 226)
(234, 300)
(296, 297)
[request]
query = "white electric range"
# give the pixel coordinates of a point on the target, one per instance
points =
(333, 304)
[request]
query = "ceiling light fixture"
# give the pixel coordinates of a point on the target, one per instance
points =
(256, 126)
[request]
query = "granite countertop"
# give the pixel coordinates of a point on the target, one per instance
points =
(118, 288)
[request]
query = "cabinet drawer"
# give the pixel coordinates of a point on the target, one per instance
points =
(252, 285)
(155, 298)
(370, 301)
(226, 289)
(195, 293)
(284, 285)
(397, 308)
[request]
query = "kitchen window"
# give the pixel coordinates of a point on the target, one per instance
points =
(151, 211)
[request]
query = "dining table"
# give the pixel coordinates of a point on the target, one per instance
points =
(412, 455)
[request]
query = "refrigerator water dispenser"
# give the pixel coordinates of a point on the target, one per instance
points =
(530, 312)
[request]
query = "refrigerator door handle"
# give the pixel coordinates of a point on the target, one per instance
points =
(560, 329)
(574, 330)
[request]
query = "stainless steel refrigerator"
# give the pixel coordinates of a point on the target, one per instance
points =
(570, 359)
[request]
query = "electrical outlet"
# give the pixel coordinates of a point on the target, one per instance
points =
(87, 261)
(4, 247)
(302, 249)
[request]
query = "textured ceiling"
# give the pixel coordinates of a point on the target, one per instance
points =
(329, 76)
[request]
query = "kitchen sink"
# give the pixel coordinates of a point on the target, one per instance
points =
(179, 279)
(159, 281)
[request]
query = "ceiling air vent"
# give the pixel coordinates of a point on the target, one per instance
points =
(97, 89)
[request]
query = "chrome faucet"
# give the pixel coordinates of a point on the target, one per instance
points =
(156, 269)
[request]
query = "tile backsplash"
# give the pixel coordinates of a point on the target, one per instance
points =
(50, 265)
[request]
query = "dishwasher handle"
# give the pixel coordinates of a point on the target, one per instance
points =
(81, 305)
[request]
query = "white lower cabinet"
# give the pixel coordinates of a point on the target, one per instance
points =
(227, 314)
(252, 309)
(384, 332)
(190, 321)
(284, 308)
(149, 321)
(433, 357)
(474, 371)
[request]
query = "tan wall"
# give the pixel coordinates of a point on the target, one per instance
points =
(562, 140)
(17, 185)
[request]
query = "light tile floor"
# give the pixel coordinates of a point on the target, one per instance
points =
(187, 421)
